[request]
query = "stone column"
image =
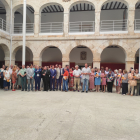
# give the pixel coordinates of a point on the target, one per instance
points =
(36, 24)
(66, 24)
(97, 22)
(131, 18)
(37, 61)
(8, 22)
(7, 61)
(129, 64)
(65, 61)
(96, 63)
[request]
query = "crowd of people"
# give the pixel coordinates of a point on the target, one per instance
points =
(54, 78)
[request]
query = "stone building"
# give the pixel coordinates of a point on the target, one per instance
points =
(99, 32)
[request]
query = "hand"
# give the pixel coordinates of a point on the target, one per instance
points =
(53, 76)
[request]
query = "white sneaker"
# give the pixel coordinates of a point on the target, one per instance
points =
(123, 94)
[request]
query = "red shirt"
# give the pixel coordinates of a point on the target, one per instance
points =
(66, 73)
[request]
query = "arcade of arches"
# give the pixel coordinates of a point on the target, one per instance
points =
(113, 56)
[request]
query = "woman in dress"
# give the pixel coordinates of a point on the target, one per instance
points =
(115, 78)
(91, 80)
(131, 82)
(71, 80)
(97, 80)
(6, 82)
(103, 80)
(118, 81)
(14, 77)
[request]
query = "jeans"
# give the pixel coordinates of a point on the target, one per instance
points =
(58, 82)
(65, 85)
(30, 82)
(85, 83)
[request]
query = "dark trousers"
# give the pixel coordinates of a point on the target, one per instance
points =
(37, 83)
(58, 82)
(24, 83)
(46, 83)
(52, 82)
(109, 86)
(1, 82)
(124, 88)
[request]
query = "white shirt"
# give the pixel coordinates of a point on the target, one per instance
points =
(10, 70)
(106, 72)
(7, 75)
(77, 72)
(86, 70)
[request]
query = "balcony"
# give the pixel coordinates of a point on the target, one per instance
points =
(51, 28)
(113, 26)
(19, 26)
(82, 27)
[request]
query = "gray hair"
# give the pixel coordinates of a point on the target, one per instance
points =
(76, 66)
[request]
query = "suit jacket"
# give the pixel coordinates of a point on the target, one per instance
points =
(30, 73)
(47, 74)
(58, 72)
(38, 72)
(53, 73)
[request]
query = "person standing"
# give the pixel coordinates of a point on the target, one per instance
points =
(65, 80)
(59, 72)
(86, 72)
(30, 76)
(77, 74)
(37, 78)
(103, 80)
(97, 80)
(14, 77)
(71, 79)
(110, 77)
(7, 76)
(46, 75)
(18, 78)
(138, 82)
(91, 80)
(23, 78)
(124, 82)
(52, 78)
(118, 81)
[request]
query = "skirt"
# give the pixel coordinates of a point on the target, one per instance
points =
(5, 83)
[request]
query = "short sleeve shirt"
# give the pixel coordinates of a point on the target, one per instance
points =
(86, 70)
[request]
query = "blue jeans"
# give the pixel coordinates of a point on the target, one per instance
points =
(65, 85)
(30, 82)
(85, 83)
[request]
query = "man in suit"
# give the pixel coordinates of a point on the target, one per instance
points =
(37, 78)
(30, 76)
(46, 77)
(59, 76)
(52, 78)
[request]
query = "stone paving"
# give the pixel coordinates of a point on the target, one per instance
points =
(68, 116)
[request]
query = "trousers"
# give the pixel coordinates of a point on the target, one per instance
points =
(76, 82)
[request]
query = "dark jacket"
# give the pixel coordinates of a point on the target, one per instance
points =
(47, 74)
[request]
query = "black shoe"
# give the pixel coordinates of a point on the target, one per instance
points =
(53, 90)
(86, 91)
(82, 91)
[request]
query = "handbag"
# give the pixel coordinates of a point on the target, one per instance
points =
(133, 83)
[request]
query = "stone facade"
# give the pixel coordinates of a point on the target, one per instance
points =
(129, 42)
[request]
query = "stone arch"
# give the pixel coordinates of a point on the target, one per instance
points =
(17, 45)
(49, 3)
(103, 2)
(135, 49)
(91, 2)
(5, 49)
(6, 5)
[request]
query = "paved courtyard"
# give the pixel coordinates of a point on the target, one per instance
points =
(68, 116)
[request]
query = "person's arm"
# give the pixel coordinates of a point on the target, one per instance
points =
(55, 73)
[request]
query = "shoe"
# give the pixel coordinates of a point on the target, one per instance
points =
(39, 90)
(28, 90)
(123, 94)
(35, 90)
(13, 90)
(66, 91)
(74, 90)
(82, 91)
(54, 90)
(86, 91)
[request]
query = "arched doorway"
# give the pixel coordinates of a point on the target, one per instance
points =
(28, 58)
(81, 55)
(2, 56)
(82, 17)
(113, 57)
(51, 18)
(51, 56)
(137, 60)
(114, 16)
(18, 20)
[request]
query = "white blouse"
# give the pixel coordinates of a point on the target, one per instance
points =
(7, 74)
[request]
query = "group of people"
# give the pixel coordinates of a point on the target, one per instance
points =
(56, 78)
